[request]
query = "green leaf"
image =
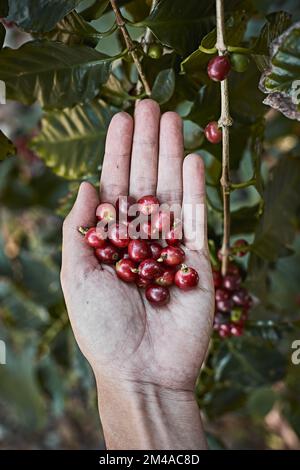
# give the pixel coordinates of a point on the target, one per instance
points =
(6, 147)
(275, 230)
(73, 29)
(244, 220)
(94, 11)
(281, 81)
(39, 15)
(54, 74)
(196, 63)
(261, 401)
(277, 22)
(164, 86)
(72, 141)
(182, 25)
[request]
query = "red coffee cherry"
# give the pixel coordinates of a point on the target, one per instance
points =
(218, 68)
(139, 250)
(157, 295)
(126, 270)
(186, 278)
(213, 133)
(108, 254)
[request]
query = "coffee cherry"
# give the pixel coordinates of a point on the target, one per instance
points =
(93, 236)
(220, 318)
(241, 243)
(218, 68)
(158, 295)
(217, 277)
(166, 278)
(162, 221)
(148, 205)
(224, 331)
(155, 51)
(232, 282)
(241, 297)
(224, 305)
(123, 204)
(108, 254)
(239, 62)
(236, 330)
(233, 269)
(174, 235)
(213, 133)
(186, 278)
(126, 270)
(106, 212)
(118, 235)
(156, 249)
(150, 269)
(236, 314)
(139, 250)
(172, 255)
(221, 294)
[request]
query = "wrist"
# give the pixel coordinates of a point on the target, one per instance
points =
(138, 415)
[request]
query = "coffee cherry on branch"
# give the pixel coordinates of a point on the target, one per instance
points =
(126, 270)
(213, 133)
(186, 278)
(155, 51)
(139, 250)
(108, 254)
(218, 68)
(148, 205)
(157, 295)
(241, 243)
(172, 255)
(239, 62)
(232, 282)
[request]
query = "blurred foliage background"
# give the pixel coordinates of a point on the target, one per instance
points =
(249, 389)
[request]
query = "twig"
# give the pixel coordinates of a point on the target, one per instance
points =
(225, 122)
(146, 42)
(130, 46)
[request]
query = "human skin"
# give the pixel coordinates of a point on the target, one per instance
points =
(146, 360)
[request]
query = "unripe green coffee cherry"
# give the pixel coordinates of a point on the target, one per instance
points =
(239, 62)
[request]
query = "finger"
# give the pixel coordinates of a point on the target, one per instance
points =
(143, 171)
(116, 164)
(194, 210)
(76, 254)
(169, 185)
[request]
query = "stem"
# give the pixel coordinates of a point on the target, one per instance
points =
(130, 46)
(243, 185)
(225, 122)
(146, 41)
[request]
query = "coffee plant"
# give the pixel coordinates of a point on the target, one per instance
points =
(231, 69)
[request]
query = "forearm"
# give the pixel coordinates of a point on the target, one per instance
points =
(137, 416)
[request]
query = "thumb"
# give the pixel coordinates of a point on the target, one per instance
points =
(75, 253)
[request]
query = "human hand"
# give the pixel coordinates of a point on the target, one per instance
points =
(128, 342)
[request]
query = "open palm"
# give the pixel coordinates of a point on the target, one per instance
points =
(120, 333)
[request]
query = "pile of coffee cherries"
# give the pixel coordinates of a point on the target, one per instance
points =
(133, 248)
(232, 301)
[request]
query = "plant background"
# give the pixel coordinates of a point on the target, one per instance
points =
(249, 390)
